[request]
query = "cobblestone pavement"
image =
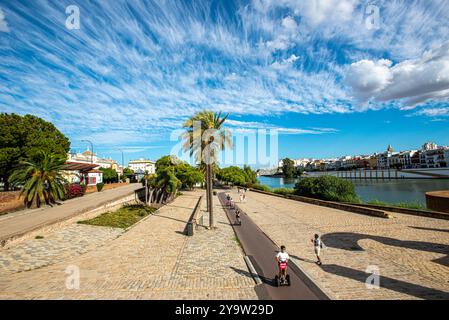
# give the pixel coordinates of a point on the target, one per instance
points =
(153, 260)
(55, 247)
(24, 221)
(412, 253)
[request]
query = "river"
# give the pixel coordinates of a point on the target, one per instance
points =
(393, 191)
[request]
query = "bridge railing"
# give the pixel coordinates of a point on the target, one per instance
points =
(196, 218)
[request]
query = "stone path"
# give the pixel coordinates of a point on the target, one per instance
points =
(153, 260)
(412, 253)
(21, 222)
(55, 247)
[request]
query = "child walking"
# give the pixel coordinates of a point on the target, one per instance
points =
(318, 245)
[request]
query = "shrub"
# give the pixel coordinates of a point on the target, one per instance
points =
(261, 187)
(283, 191)
(75, 190)
(100, 186)
(327, 188)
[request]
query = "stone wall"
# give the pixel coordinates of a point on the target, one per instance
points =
(331, 204)
(438, 201)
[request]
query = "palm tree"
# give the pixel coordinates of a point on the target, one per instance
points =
(40, 179)
(205, 145)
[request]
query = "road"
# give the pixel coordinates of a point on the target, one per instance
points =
(262, 251)
(21, 222)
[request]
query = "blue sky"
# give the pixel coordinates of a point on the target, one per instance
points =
(314, 70)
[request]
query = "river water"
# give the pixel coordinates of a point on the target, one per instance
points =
(392, 191)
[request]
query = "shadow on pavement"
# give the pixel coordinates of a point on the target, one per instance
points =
(303, 259)
(388, 283)
(430, 229)
(349, 241)
(268, 281)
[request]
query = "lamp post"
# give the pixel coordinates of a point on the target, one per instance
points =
(123, 161)
(92, 150)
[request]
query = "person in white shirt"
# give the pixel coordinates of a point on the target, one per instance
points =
(282, 256)
(318, 245)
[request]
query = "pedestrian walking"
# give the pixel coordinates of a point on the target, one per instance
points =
(318, 245)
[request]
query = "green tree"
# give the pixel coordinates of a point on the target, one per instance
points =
(251, 176)
(40, 179)
(188, 175)
(288, 168)
(327, 188)
(166, 182)
(23, 137)
(213, 138)
(127, 173)
(166, 161)
(109, 175)
(238, 176)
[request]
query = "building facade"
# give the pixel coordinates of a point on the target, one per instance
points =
(142, 165)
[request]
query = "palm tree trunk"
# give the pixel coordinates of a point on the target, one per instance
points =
(209, 192)
(207, 189)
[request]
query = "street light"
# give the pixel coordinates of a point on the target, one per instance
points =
(123, 161)
(92, 150)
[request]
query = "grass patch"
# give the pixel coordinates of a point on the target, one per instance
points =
(122, 218)
(283, 191)
(237, 240)
(405, 205)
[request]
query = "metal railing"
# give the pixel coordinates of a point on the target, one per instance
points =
(196, 218)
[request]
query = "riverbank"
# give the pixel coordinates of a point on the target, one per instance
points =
(393, 191)
(409, 252)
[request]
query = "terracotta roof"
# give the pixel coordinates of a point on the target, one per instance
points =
(78, 166)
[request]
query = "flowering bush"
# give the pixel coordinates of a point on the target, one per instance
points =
(75, 190)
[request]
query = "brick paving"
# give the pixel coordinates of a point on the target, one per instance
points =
(152, 260)
(55, 247)
(412, 253)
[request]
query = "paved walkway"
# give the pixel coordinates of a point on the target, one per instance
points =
(412, 253)
(24, 221)
(153, 260)
(261, 250)
(55, 247)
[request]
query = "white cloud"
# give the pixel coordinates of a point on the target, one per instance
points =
(245, 126)
(433, 112)
(315, 12)
(289, 23)
(3, 24)
(411, 82)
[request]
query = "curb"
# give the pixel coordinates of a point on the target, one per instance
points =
(252, 270)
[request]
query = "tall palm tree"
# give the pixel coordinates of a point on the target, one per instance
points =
(40, 179)
(205, 146)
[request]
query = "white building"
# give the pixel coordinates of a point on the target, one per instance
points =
(429, 146)
(89, 157)
(143, 165)
(79, 172)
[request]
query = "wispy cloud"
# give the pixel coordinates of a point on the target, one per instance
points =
(136, 69)
(243, 126)
(3, 24)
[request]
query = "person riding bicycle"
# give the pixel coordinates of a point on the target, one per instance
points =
(282, 258)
